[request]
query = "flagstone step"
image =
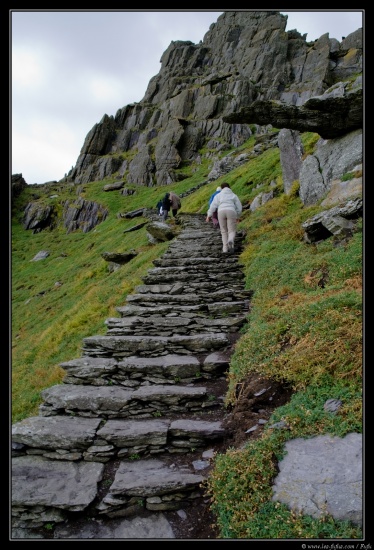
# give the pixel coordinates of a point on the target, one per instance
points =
(216, 309)
(216, 273)
(125, 346)
(152, 482)
(138, 485)
(223, 295)
(94, 440)
(133, 371)
(118, 402)
(172, 325)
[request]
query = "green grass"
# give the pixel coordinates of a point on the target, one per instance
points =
(304, 328)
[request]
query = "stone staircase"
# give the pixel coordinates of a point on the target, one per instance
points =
(150, 390)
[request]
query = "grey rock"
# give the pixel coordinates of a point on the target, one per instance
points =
(55, 432)
(61, 485)
(332, 405)
(334, 221)
(154, 527)
(113, 186)
(314, 472)
(42, 255)
(291, 152)
(332, 160)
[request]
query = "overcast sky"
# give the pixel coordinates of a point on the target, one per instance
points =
(69, 68)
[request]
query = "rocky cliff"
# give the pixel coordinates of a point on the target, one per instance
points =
(213, 95)
(247, 77)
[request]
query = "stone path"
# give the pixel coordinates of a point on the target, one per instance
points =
(140, 393)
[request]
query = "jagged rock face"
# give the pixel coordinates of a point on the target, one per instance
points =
(332, 159)
(333, 114)
(245, 57)
(83, 215)
(18, 184)
(38, 217)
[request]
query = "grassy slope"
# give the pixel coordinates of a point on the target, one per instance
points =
(305, 326)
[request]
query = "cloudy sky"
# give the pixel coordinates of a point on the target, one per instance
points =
(69, 68)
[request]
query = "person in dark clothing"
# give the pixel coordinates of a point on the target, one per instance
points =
(166, 205)
(159, 207)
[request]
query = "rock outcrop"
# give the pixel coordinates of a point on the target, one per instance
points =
(246, 71)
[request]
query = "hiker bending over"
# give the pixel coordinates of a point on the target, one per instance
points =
(229, 208)
(175, 203)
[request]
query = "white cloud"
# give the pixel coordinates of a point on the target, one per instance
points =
(27, 70)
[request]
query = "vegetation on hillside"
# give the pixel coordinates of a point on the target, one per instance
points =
(304, 327)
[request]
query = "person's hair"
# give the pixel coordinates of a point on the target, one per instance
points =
(223, 185)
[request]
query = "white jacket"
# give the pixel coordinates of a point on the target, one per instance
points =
(225, 200)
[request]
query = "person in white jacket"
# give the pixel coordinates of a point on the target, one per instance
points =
(229, 209)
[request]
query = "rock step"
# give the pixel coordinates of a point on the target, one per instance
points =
(228, 261)
(118, 402)
(169, 275)
(124, 346)
(203, 288)
(203, 250)
(219, 264)
(158, 325)
(206, 291)
(93, 440)
(149, 484)
(158, 486)
(207, 234)
(223, 295)
(133, 372)
(218, 309)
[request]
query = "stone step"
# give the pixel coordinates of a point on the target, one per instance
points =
(203, 250)
(218, 309)
(158, 325)
(206, 235)
(94, 440)
(227, 261)
(223, 295)
(125, 346)
(148, 484)
(133, 372)
(117, 402)
(44, 490)
(216, 273)
(202, 288)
